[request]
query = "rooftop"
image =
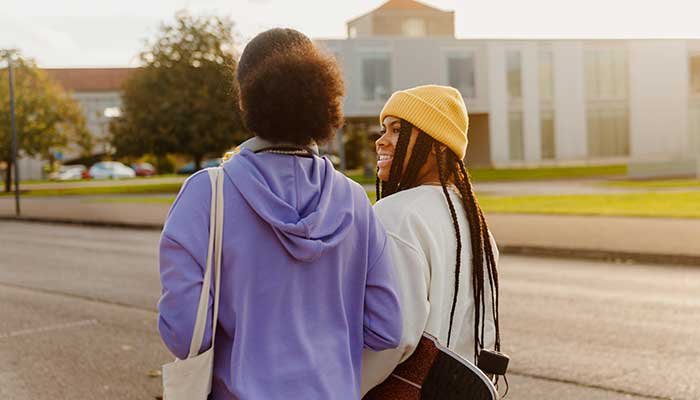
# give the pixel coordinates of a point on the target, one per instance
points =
(90, 79)
(399, 5)
(405, 5)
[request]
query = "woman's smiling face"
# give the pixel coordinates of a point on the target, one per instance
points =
(386, 145)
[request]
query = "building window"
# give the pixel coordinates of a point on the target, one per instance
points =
(607, 102)
(694, 125)
(353, 32)
(461, 74)
(414, 27)
(606, 74)
(112, 112)
(546, 75)
(376, 77)
(547, 134)
(546, 80)
(514, 71)
(515, 108)
(515, 136)
(607, 130)
(694, 103)
(695, 74)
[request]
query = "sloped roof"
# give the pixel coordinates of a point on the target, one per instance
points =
(90, 79)
(405, 5)
(392, 5)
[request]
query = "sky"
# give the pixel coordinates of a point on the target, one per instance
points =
(90, 33)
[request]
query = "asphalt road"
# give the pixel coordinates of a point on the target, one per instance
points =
(78, 321)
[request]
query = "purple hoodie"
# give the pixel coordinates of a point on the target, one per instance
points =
(307, 279)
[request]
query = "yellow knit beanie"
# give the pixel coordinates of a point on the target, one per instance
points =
(439, 111)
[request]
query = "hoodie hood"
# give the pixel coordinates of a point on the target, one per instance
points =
(308, 205)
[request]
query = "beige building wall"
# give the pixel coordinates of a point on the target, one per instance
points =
(360, 27)
(97, 107)
(404, 18)
(400, 23)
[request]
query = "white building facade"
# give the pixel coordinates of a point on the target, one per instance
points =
(535, 102)
(99, 93)
(541, 102)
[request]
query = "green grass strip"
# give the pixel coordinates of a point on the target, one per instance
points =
(103, 190)
(654, 204)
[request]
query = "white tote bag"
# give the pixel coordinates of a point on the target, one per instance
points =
(190, 379)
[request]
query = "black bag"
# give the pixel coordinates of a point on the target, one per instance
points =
(434, 372)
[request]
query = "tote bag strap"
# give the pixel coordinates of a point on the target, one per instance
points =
(213, 256)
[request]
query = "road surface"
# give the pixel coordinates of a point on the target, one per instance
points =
(78, 321)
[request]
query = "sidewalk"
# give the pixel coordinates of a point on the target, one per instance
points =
(666, 240)
(626, 238)
(78, 209)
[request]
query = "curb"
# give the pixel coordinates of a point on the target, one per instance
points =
(622, 257)
(99, 224)
(533, 251)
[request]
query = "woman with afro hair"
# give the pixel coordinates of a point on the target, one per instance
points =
(306, 279)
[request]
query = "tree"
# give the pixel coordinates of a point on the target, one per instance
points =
(47, 118)
(184, 99)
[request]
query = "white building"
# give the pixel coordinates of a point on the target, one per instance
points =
(98, 91)
(535, 102)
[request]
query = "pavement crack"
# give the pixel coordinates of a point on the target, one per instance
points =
(49, 328)
(77, 296)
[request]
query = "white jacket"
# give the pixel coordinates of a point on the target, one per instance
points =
(424, 246)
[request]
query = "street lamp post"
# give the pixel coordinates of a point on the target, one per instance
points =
(13, 127)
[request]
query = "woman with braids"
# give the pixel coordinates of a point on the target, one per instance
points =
(445, 256)
(307, 280)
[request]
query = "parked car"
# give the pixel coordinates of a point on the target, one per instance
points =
(68, 173)
(189, 167)
(111, 170)
(144, 169)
